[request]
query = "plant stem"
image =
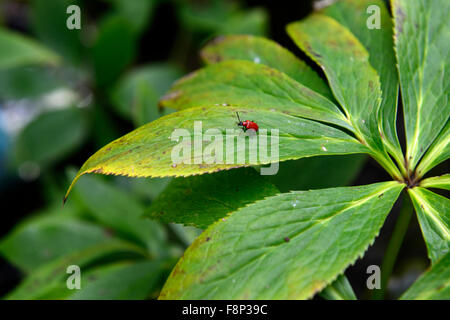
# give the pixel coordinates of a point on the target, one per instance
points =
(390, 256)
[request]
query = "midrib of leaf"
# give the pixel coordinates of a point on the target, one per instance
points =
(412, 151)
(420, 39)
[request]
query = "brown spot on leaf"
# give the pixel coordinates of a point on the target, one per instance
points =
(287, 239)
(211, 56)
(169, 96)
(400, 19)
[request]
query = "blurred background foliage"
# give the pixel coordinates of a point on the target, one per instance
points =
(65, 93)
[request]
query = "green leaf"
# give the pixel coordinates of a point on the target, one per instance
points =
(50, 137)
(437, 153)
(137, 94)
(44, 238)
(252, 21)
(137, 12)
(120, 211)
(27, 82)
(111, 56)
(422, 43)
(222, 17)
(118, 281)
(353, 81)
(353, 15)
(17, 50)
(45, 279)
(285, 247)
(433, 213)
(250, 85)
(266, 52)
(201, 200)
(147, 150)
(318, 172)
(434, 284)
(441, 182)
(339, 289)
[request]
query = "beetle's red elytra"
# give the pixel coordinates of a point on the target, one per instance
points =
(247, 124)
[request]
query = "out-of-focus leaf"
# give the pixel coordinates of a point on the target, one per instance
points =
(121, 212)
(422, 45)
(17, 50)
(354, 82)
(27, 82)
(434, 284)
(49, 23)
(252, 21)
(247, 84)
(288, 246)
(137, 12)
(147, 151)
(102, 126)
(137, 94)
(117, 281)
(50, 137)
(201, 200)
(114, 49)
(318, 172)
(43, 281)
(441, 182)
(145, 189)
(267, 52)
(354, 15)
(433, 213)
(186, 234)
(223, 17)
(42, 239)
(339, 289)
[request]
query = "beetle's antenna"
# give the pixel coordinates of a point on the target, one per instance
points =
(238, 116)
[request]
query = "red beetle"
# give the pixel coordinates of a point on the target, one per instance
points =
(247, 124)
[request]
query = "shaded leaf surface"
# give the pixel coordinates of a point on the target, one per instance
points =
(318, 172)
(201, 200)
